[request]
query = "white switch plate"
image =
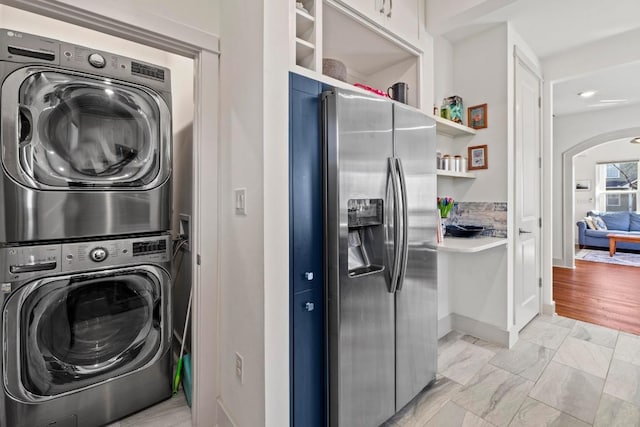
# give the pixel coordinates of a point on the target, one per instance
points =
(240, 201)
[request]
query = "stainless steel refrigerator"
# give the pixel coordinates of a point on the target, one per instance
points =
(380, 255)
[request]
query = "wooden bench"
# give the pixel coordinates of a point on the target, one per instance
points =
(614, 238)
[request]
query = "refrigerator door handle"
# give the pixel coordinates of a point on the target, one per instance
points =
(395, 270)
(405, 225)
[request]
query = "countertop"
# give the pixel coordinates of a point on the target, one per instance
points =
(470, 244)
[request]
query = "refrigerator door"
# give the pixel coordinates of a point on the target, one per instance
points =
(416, 297)
(359, 219)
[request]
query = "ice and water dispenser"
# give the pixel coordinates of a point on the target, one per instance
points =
(366, 236)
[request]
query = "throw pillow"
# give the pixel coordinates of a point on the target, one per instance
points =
(589, 221)
(599, 223)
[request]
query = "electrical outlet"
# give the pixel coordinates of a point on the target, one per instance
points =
(185, 230)
(239, 372)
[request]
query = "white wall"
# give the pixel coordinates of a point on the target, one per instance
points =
(242, 237)
(480, 76)
(444, 16)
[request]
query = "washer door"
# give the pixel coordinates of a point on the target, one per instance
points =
(74, 131)
(80, 330)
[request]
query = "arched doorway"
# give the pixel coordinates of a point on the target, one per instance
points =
(568, 186)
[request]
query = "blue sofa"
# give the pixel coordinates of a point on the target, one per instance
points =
(617, 222)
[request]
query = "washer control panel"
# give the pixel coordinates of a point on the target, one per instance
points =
(88, 255)
(18, 263)
(28, 261)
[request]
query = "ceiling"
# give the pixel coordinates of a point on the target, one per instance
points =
(551, 27)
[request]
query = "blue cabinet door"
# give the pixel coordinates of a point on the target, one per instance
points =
(308, 354)
(307, 341)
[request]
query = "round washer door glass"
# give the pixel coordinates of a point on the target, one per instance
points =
(86, 329)
(76, 131)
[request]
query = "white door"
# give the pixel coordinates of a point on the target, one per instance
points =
(527, 188)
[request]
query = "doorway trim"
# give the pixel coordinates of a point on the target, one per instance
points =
(568, 194)
(122, 20)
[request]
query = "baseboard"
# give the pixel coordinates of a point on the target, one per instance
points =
(549, 309)
(557, 262)
(444, 326)
(482, 330)
(224, 419)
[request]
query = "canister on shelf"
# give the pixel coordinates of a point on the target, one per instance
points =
(457, 163)
(463, 164)
(446, 162)
(438, 160)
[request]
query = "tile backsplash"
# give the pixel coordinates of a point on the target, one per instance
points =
(491, 215)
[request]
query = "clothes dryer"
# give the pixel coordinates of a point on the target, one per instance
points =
(86, 142)
(86, 331)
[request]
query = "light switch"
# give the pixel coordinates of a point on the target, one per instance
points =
(241, 201)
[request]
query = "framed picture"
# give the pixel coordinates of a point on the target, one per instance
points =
(477, 157)
(583, 184)
(477, 116)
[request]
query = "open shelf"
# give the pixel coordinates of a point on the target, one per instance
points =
(453, 129)
(467, 175)
(304, 50)
(304, 23)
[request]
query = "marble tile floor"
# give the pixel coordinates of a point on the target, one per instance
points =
(562, 372)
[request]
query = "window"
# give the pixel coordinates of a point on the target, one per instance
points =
(617, 186)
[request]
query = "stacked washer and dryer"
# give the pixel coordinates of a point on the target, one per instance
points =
(85, 248)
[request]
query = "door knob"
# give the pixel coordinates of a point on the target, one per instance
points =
(308, 275)
(521, 231)
(309, 306)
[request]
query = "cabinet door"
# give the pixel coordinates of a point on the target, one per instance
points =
(402, 19)
(305, 184)
(308, 359)
(370, 9)
(306, 252)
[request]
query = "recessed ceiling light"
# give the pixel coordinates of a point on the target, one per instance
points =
(635, 140)
(587, 93)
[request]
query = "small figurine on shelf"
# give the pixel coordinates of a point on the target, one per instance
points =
(455, 108)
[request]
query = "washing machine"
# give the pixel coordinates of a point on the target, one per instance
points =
(86, 331)
(86, 142)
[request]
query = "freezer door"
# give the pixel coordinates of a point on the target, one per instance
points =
(358, 145)
(416, 298)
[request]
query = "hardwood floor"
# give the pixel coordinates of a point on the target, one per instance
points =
(604, 294)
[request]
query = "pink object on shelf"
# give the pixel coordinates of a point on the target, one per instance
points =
(372, 89)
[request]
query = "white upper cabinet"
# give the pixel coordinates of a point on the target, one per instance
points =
(366, 8)
(400, 17)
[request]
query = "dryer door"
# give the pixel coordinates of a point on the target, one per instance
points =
(79, 330)
(64, 130)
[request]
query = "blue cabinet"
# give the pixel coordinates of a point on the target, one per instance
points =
(307, 308)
